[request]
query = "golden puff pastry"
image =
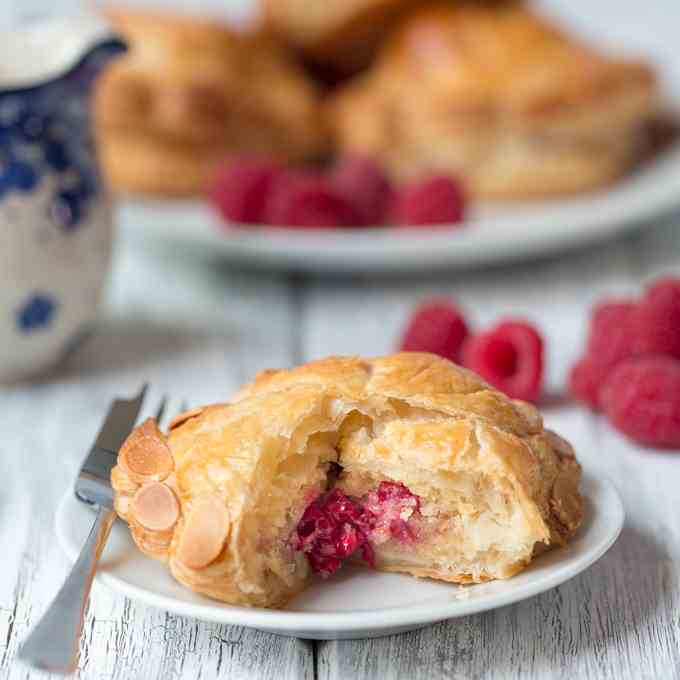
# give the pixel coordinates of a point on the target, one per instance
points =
(190, 92)
(340, 35)
(499, 97)
(408, 463)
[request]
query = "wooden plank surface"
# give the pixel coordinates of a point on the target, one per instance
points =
(204, 330)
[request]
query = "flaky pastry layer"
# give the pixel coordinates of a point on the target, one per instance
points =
(188, 90)
(499, 97)
(342, 35)
(492, 484)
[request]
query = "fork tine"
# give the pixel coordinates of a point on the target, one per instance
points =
(161, 409)
(119, 420)
(139, 399)
(184, 406)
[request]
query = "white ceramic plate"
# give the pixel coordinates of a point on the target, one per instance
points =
(356, 602)
(491, 234)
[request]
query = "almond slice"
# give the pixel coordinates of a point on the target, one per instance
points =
(155, 507)
(182, 418)
(204, 534)
(145, 455)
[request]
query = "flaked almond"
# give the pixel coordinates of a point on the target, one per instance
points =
(205, 533)
(145, 454)
(155, 507)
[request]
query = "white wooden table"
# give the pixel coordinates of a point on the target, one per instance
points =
(197, 330)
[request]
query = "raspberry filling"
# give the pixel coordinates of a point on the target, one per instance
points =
(335, 526)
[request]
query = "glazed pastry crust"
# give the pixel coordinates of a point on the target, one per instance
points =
(264, 457)
(339, 35)
(500, 97)
(342, 36)
(189, 92)
(143, 164)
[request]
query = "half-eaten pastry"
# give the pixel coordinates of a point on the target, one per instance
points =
(406, 463)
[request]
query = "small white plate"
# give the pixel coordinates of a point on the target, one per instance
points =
(356, 602)
(490, 234)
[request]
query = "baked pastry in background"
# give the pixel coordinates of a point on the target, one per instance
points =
(409, 463)
(190, 92)
(500, 97)
(338, 35)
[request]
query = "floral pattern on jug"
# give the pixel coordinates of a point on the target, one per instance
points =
(55, 217)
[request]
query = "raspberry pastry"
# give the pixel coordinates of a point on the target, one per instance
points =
(406, 463)
(190, 92)
(499, 97)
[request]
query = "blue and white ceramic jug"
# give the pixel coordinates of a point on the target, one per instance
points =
(55, 221)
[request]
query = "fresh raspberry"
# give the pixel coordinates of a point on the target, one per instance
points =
(241, 189)
(363, 183)
(308, 201)
(613, 337)
(641, 398)
(585, 380)
(435, 200)
(510, 357)
(659, 318)
(438, 327)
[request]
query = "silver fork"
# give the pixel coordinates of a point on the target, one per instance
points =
(54, 642)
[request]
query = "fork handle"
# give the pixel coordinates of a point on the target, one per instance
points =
(54, 643)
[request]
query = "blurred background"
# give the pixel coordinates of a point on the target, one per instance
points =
(276, 184)
(279, 184)
(236, 164)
